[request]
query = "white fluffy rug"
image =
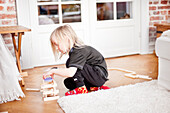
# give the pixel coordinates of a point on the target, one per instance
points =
(146, 97)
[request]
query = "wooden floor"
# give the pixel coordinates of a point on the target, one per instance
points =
(32, 103)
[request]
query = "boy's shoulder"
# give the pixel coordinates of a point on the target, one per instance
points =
(77, 48)
(82, 49)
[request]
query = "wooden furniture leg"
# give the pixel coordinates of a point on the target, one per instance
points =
(18, 54)
(19, 43)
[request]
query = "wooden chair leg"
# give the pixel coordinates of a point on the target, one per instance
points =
(22, 82)
(16, 53)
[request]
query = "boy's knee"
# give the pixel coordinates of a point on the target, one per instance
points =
(69, 83)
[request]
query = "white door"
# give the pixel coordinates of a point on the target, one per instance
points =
(111, 26)
(115, 26)
(46, 15)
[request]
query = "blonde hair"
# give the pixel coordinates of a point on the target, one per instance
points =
(61, 33)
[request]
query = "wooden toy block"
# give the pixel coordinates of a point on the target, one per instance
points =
(51, 98)
(48, 88)
(33, 89)
(131, 74)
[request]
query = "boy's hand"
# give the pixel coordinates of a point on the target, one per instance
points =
(48, 74)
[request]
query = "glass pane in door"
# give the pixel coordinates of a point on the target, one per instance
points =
(124, 10)
(47, 0)
(71, 13)
(105, 11)
(69, 0)
(48, 14)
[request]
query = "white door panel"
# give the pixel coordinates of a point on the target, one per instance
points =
(43, 52)
(113, 37)
(111, 40)
(41, 33)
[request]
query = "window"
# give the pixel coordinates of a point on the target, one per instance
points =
(48, 14)
(59, 11)
(71, 13)
(47, 0)
(69, 0)
(105, 10)
(124, 10)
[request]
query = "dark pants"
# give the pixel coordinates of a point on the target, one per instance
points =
(88, 76)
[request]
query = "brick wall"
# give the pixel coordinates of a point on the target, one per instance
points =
(8, 18)
(159, 10)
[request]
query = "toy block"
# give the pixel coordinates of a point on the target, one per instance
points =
(131, 74)
(51, 98)
(48, 88)
(138, 76)
(32, 89)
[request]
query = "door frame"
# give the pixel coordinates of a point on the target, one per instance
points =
(23, 17)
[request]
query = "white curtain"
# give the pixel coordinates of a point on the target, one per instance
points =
(9, 86)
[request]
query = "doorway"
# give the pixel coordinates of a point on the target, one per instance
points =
(111, 26)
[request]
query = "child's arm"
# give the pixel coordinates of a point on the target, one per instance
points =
(64, 72)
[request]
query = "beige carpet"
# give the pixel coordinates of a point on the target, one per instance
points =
(146, 97)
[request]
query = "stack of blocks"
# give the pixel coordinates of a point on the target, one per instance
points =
(49, 90)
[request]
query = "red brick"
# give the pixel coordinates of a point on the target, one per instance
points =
(11, 1)
(168, 7)
(2, 1)
(13, 54)
(10, 8)
(150, 34)
(152, 8)
(2, 16)
(156, 18)
(166, 17)
(164, 2)
(160, 7)
(156, 22)
(152, 29)
(163, 12)
(11, 16)
(7, 16)
(163, 7)
(15, 22)
(156, 12)
(8, 41)
(155, 2)
(169, 12)
(160, 18)
(6, 22)
(1, 8)
(6, 35)
(150, 23)
(151, 18)
(154, 34)
(10, 48)
(150, 2)
(163, 22)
